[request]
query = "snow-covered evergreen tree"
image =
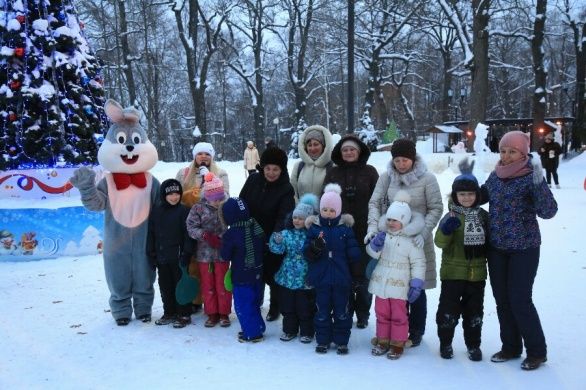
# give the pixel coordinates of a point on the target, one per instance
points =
(366, 132)
(293, 149)
(51, 93)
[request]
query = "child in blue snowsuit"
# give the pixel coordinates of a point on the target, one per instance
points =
(296, 298)
(242, 245)
(331, 250)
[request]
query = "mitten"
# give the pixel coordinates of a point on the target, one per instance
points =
(418, 241)
(415, 286)
(83, 178)
(368, 237)
(378, 242)
(213, 240)
(449, 225)
(278, 237)
(203, 170)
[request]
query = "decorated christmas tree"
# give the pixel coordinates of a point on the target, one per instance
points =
(51, 93)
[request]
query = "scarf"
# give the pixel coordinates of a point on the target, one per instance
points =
(474, 235)
(517, 169)
(251, 230)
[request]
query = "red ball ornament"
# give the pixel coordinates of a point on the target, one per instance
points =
(12, 116)
(20, 19)
(19, 52)
(81, 25)
(15, 84)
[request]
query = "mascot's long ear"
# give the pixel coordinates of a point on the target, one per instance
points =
(114, 110)
(117, 114)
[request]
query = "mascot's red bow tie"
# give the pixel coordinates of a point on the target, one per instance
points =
(124, 180)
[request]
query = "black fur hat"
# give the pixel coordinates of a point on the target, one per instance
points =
(403, 148)
(275, 156)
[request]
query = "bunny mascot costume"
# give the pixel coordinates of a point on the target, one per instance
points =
(126, 193)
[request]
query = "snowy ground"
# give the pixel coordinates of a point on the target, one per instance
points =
(56, 331)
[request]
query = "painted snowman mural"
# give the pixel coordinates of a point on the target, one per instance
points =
(126, 193)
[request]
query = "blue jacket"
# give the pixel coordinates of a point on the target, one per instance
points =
(332, 267)
(293, 271)
(515, 204)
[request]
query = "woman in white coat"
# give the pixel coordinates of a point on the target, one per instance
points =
(407, 171)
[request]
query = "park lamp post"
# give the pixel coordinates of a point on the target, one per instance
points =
(276, 123)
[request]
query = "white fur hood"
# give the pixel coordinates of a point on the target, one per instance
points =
(345, 219)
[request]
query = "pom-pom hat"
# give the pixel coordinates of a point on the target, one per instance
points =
(307, 206)
(203, 147)
(331, 198)
(516, 140)
(399, 210)
(213, 188)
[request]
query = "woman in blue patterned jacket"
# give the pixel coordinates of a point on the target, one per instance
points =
(518, 194)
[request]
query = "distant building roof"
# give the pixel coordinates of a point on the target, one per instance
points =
(444, 129)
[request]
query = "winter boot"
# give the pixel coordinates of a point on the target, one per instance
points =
(145, 318)
(322, 348)
(362, 323)
(446, 351)
(212, 320)
(224, 321)
(122, 321)
(502, 356)
(475, 354)
(287, 336)
(532, 363)
(395, 352)
(342, 350)
(165, 320)
(306, 339)
(381, 346)
(255, 339)
(181, 322)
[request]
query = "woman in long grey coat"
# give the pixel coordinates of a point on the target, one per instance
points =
(407, 171)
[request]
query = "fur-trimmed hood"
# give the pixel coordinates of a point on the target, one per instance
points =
(325, 157)
(344, 219)
(419, 169)
(413, 228)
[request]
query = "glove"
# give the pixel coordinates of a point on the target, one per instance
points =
(369, 237)
(449, 225)
(378, 242)
(415, 286)
(277, 237)
(317, 245)
(418, 241)
(203, 170)
(213, 240)
(83, 177)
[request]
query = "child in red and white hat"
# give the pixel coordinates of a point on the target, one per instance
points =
(331, 251)
(204, 225)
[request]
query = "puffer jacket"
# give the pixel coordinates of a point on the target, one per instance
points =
(398, 262)
(203, 217)
(332, 267)
(293, 271)
(426, 199)
(514, 207)
(357, 180)
(454, 265)
(312, 175)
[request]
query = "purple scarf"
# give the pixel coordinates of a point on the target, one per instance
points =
(516, 169)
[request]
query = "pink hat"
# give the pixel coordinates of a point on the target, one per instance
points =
(516, 140)
(331, 198)
(213, 188)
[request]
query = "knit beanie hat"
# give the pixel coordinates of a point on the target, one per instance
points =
(331, 198)
(213, 188)
(249, 143)
(399, 210)
(403, 148)
(307, 206)
(203, 147)
(352, 143)
(314, 133)
(274, 156)
(171, 186)
(516, 140)
(234, 210)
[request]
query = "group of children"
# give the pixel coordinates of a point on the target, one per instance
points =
(321, 252)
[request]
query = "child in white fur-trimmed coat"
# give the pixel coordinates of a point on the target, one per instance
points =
(398, 276)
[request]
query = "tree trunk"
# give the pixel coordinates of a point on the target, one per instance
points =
(126, 57)
(479, 68)
(540, 94)
(447, 85)
(579, 126)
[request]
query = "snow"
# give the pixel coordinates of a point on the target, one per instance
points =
(57, 333)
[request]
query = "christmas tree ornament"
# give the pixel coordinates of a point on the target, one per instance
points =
(19, 52)
(21, 19)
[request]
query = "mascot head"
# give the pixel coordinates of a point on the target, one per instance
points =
(126, 147)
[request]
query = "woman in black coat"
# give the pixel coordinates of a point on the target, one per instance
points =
(270, 197)
(550, 159)
(357, 180)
